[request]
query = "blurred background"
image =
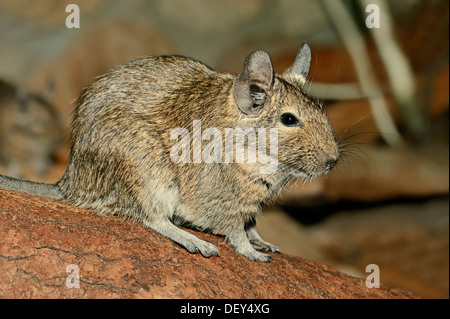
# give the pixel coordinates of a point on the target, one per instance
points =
(386, 91)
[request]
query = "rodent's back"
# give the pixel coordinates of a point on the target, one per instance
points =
(123, 120)
(152, 87)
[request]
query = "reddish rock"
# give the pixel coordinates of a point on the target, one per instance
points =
(40, 237)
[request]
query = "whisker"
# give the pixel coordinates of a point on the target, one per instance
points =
(354, 135)
(351, 126)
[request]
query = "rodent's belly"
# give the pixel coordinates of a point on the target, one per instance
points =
(218, 219)
(221, 207)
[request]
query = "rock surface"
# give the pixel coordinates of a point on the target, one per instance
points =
(40, 238)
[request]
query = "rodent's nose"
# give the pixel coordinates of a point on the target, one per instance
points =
(331, 162)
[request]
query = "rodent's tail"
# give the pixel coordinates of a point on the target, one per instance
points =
(33, 188)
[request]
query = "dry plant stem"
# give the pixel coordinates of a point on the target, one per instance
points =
(397, 68)
(354, 43)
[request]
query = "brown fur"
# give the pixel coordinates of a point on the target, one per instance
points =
(120, 147)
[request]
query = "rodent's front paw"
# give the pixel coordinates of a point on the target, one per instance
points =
(263, 245)
(257, 256)
(262, 257)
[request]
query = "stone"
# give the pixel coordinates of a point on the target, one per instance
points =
(45, 243)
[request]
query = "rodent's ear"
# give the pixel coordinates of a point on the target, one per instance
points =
(298, 71)
(251, 86)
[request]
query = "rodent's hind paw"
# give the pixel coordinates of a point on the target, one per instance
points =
(206, 249)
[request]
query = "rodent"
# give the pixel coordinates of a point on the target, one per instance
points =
(120, 146)
(30, 130)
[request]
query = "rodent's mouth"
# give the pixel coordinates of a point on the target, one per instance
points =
(302, 173)
(312, 164)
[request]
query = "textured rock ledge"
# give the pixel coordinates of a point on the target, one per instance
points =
(39, 238)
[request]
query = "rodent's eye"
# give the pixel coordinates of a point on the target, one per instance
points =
(289, 119)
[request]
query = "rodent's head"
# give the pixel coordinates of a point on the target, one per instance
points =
(306, 142)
